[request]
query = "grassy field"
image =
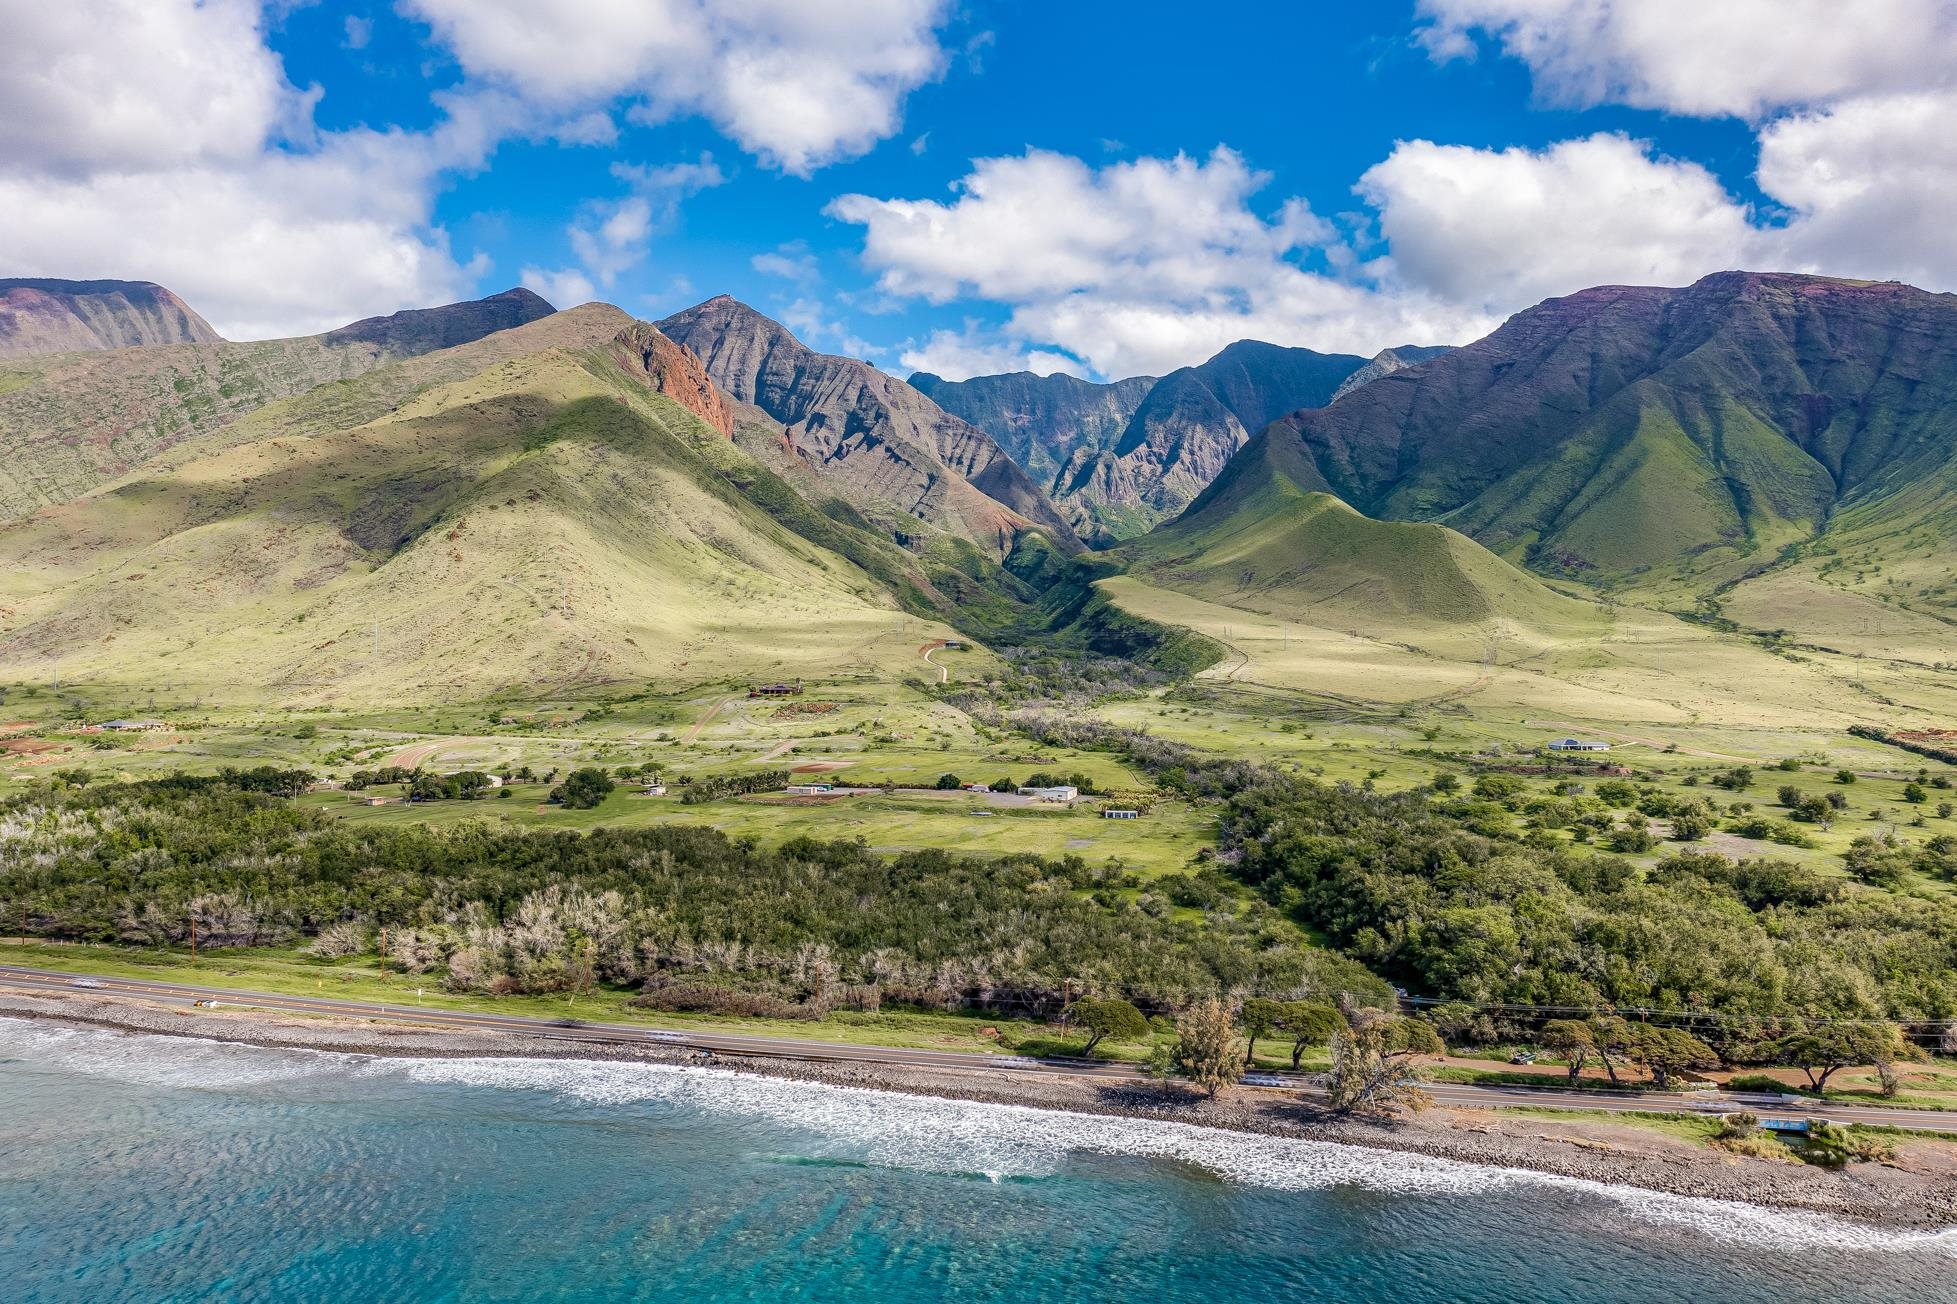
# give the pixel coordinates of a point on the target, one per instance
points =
(1163, 841)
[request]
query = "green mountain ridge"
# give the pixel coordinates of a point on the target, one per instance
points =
(1676, 446)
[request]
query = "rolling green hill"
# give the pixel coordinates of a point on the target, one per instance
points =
(551, 521)
(1270, 538)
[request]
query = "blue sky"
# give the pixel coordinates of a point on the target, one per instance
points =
(1096, 187)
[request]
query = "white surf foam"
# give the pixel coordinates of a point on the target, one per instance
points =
(930, 1134)
(923, 1132)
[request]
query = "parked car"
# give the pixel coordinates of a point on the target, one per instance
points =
(83, 982)
(1262, 1080)
(1523, 1057)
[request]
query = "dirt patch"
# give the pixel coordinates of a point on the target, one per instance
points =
(16, 726)
(413, 758)
(27, 746)
(794, 709)
(820, 767)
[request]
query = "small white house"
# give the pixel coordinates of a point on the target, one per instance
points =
(1121, 814)
(1065, 792)
(653, 790)
(809, 789)
(1577, 745)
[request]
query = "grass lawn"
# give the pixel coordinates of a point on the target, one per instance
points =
(1695, 1128)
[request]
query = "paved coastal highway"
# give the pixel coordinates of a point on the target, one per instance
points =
(731, 1043)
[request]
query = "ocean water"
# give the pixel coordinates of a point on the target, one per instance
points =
(140, 1168)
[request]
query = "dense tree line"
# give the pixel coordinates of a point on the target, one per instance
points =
(493, 908)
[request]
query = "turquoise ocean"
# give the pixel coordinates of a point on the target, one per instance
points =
(146, 1168)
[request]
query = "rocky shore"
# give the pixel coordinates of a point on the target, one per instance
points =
(1917, 1190)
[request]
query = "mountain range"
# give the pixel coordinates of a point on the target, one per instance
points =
(1671, 445)
(1120, 458)
(466, 500)
(839, 427)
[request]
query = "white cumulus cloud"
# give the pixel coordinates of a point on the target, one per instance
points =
(1135, 267)
(1743, 58)
(799, 83)
(1501, 229)
(159, 140)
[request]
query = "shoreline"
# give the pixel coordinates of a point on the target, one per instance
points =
(1917, 1193)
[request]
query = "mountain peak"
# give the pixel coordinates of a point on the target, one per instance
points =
(47, 315)
(870, 439)
(423, 330)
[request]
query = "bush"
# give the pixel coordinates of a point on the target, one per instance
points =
(583, 789)
(1690, 828)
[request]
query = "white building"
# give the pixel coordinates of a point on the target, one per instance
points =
(1065, 792)
(1577, 745)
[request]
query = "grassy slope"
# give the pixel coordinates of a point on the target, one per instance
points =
(538, 524)
(1271, 542)
(74, 421)
(1312, 597)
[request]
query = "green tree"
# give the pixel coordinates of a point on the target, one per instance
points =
(1690, 827)
(1206, 1046)
(1610, 1036)
(1262, 1017)
(1844, 776)
(1825, 1049)
(1308, 1024)
(1915, 792)
(1106, 1018)
(583, 789)
(1373, 1060)
(1572, 1040)
(1663, 1052)
(1634, 837)
(1446, 784)
(946, 782)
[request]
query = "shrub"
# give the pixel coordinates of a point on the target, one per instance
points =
(583, 789)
